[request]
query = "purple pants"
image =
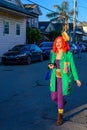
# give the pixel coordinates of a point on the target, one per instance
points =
(58, 96)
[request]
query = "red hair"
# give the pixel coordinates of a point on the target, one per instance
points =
(65, 45)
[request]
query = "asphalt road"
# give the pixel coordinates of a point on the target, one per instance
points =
(25, 102)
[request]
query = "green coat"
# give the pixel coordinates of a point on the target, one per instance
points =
(67, 77)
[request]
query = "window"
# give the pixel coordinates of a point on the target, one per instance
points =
(36, 22)
(6, 27)
(17, 29)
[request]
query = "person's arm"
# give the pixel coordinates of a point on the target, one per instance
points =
(78, 83)
(74, 71)
(51, 63)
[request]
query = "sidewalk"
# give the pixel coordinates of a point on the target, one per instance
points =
(75, 119)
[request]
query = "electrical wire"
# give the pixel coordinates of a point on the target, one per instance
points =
(41, 6)
(52, 10)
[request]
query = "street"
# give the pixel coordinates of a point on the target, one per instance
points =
(25, 102)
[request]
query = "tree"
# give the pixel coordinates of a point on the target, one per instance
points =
(62, 14)
(33, 35)
(54, 34)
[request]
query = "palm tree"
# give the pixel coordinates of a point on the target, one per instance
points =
(62, 15)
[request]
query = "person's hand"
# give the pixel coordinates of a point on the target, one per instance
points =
(51, 66)
(78, 83)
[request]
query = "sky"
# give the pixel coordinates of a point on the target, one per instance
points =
(81, 8)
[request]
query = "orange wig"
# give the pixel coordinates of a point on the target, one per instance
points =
(65, 45)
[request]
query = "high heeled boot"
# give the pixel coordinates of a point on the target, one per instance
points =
(60, 118)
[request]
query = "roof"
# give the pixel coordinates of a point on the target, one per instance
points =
(14, 7)
(58, 26)
(32, 7)
(43, 25)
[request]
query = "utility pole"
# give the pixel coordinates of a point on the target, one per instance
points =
(74, 22)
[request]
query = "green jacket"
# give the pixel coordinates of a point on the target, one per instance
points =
(67, 77)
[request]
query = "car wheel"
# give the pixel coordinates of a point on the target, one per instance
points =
(41, 57)
(28, 60)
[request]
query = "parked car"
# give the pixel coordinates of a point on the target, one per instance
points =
(46, 48)
(73, 48)
(84, 49)
(23, 53)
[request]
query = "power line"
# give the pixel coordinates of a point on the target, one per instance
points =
(41, 6)
(48, 9)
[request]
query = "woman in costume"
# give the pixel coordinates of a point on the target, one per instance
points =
(63, 72)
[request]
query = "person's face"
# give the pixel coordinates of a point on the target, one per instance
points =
(59, 43)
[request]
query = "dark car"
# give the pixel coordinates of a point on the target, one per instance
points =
(46, 47)
(83, 46)
(23, 53)
(73, 48)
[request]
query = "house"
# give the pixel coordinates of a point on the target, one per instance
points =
(83, 25)
(47, 26)
(12, 24)
(35, 10)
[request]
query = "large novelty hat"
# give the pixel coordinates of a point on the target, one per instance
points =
(65, 36)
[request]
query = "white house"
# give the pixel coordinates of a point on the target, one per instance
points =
(12, 24)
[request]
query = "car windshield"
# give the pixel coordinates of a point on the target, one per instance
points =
(48, 44)
(17, 48)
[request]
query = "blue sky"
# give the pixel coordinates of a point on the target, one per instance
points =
(81, 7)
